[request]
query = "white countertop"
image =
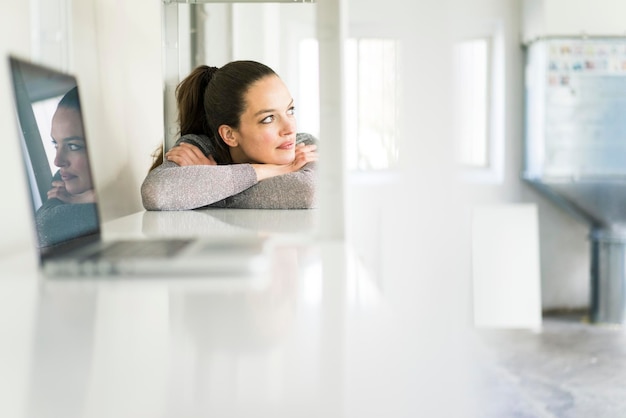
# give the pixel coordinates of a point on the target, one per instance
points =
(322, 336)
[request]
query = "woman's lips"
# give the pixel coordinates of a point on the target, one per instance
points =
(67, 177)
(286, 145)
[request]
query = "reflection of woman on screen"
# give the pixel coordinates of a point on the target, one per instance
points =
(70, 209)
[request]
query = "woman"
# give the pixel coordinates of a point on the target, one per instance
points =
(238, 146)
(70, 209)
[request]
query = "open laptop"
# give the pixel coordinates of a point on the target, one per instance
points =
(63, 196)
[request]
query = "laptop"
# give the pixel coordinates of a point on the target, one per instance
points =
(63, 194)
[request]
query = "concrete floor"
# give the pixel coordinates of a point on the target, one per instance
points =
(568, 368)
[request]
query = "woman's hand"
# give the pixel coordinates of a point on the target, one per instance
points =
(304, 155)
(186, 154)
(58, 191)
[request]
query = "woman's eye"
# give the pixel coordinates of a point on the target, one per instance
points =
(74, 147)
(55, 144)
(268, 119)
(291, 111)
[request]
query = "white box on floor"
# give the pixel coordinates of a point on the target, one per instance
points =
(505, 266)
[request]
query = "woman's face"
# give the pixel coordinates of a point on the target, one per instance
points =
(267, 127)
(71, 157)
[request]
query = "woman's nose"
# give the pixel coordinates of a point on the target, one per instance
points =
(289, 125)
(59, 159)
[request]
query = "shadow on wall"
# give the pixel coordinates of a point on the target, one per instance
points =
(119, 197)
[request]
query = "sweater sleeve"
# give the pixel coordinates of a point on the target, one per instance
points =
(170, 187)
(57, 221)
(288, 191)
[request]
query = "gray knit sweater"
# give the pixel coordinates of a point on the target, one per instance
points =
(171, 187)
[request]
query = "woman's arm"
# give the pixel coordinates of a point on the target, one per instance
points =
(171, 187)
(295, 190)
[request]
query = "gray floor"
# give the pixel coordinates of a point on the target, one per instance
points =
(569, 368)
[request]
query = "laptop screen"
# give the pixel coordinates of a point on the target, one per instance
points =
(54, 149)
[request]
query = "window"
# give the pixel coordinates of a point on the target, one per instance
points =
(372, 104)
(479, 107)
(472, 102)
(51, 32)
(307, 105)
(371, 96)
(44, 111)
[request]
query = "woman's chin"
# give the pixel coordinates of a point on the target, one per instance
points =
(287, 158)
(77, 191)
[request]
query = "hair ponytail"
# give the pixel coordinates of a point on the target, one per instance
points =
(190, 105)
(192, 115)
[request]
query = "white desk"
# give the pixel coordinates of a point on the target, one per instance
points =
(323, 337)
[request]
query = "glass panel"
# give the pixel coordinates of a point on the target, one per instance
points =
(376, 99)
(51, 32)
(472, 102)
(371, 100)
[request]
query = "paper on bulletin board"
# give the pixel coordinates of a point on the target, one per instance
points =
(585, 104)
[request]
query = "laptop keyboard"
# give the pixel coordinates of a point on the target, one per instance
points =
(141, 249)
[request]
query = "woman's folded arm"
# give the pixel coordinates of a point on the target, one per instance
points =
(295, 190)
(170, 187)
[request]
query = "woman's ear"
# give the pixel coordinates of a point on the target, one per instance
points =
(228, 135)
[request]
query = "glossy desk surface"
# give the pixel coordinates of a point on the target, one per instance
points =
(321, 335)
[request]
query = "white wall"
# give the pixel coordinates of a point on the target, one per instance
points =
(118, 61)
(573, 17)
(15, 230)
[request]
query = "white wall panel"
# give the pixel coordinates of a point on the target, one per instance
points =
(15, 37)
(573, 17)
(118, 50)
